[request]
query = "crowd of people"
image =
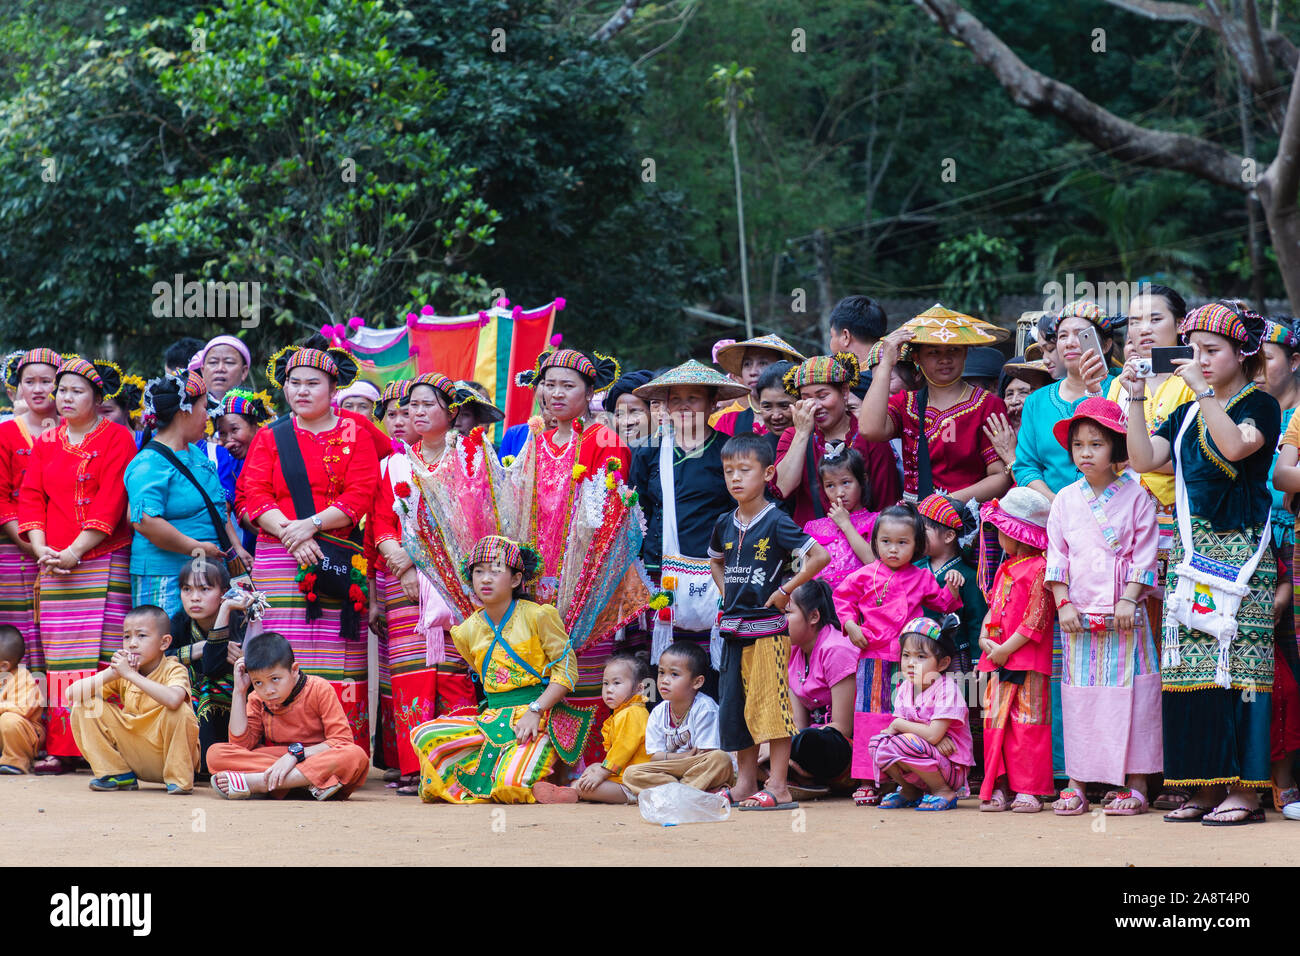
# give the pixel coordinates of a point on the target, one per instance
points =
(910, 570)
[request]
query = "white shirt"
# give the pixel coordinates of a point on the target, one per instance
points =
(699, 730)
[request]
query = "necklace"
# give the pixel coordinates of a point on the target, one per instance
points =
(880, 596)
(674, 721)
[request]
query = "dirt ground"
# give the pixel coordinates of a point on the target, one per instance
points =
(58, 820)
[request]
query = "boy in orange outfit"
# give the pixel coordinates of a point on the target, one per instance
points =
(291, 732)
(21, 703)
(154, 735)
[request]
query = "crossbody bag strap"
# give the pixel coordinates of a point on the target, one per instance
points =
(924, 474)
(293, 467)
(1183, 509)
(218, 524)
(811, 478)
(668, 491)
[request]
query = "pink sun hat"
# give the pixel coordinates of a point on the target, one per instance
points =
(1021, 514)
(1100, 411)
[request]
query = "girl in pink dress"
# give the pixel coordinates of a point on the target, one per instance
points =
(1102, 536)
(874, 603)
(927, 749)
(845, 532)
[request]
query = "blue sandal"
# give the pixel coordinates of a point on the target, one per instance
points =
(932, 803)
(896, 801)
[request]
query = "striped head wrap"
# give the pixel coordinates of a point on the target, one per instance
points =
(1238, 324)
(39, 356)
(1085, 309)
(1281, 333)
(496, 549)
(439, 383)
(171, 394)
(923, 626)
(337, 363)
(599, 371)
(840, 369)
(393, 392)
(255, 406)
(939, 510)
(106, 377)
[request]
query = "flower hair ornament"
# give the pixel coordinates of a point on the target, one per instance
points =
(597, 370)
(170, 395)
(103, 375)
(337, 363)
(255, 406)
(131, 395)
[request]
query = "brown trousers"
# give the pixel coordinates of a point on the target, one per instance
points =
(704, 771)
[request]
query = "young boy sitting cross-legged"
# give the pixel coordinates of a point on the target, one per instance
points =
(153, 735)
(291, 732)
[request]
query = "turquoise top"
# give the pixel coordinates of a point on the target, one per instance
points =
(1283, 520)
(154, 487)
(1039, 456)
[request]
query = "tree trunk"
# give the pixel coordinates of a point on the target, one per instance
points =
(825, 295)
(740, 226)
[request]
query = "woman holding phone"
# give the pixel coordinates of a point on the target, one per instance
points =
(1217, 683)
(1041, 462)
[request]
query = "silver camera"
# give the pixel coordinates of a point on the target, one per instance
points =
(1143, 368)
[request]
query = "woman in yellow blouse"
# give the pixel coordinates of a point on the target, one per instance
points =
(1153, 317)
(520, 652)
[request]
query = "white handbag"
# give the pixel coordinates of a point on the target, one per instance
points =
(1209, 592)
(695, 595)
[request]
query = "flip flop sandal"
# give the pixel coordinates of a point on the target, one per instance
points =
(866, 797)
(1170, 818)
(1071, 803)
(766, 801)
(1026, 803)
(50, 767)
(896, 801)
(935, 804)
(994, 804)
(1252, 816)
(392, 775)
(1170, 800)
(808, 793)
(544, 792)
(324, 793)
(726, 792)
(1113, 811)
(236, 786)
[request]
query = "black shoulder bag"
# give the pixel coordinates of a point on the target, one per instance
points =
(234, 564)
(924, 477)
(333, 574)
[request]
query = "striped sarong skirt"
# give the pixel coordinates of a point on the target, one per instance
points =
(318, 646)
(18, 573)
(80, 618)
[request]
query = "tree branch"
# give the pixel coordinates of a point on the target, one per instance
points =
(621, 18)
(1125, 141)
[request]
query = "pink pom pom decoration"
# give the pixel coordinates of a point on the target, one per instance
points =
(356, 322)
(516, 312)
(556, 339)
(482, 317)
(327, 331)
(427, 310)
(503, 303)
(559, 303)
(411, 320)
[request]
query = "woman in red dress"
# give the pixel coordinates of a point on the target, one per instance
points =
(72, 510)
(342, 468)
(32, 374)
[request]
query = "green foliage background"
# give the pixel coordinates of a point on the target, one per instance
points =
(524, 168)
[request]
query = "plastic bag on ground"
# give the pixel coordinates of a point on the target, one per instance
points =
(676, 803)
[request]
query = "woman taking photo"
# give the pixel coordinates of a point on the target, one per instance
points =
(32, 374)
(72, 508)
(171, 511)
(307, 482)
(1216, 690)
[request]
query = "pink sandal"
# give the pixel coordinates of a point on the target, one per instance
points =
(994, 804)
(1026, 803)
(1072, 803)
(1113, 811)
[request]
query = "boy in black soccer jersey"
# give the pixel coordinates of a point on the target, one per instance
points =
(751, 552)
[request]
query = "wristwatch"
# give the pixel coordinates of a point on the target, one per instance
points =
(315, 519)
(1208, 393)
(297, 751)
